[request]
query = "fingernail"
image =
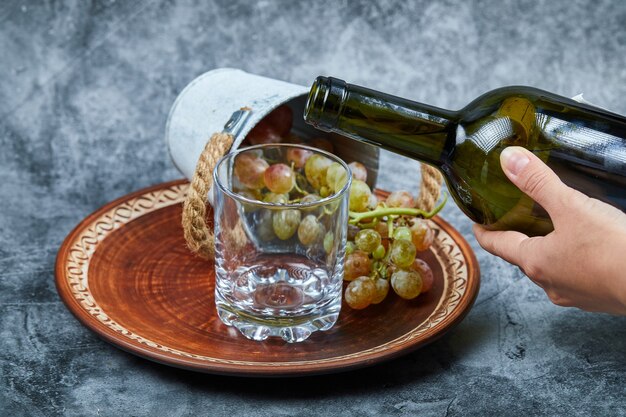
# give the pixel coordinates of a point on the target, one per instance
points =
(513, 160)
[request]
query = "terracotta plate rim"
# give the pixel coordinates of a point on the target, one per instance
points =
(261, 369)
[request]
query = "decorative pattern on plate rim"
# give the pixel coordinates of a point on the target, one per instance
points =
(90, 236)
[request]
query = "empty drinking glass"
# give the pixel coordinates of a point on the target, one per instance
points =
(280, 236)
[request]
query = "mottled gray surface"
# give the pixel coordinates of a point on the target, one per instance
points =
(85, 88)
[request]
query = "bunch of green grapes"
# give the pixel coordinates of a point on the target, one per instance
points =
(381, 253)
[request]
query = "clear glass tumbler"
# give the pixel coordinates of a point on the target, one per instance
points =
(280, 255)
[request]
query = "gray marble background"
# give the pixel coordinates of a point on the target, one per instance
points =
(85, 88)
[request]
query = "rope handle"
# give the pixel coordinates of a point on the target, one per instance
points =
(430, 188)
(200, 238)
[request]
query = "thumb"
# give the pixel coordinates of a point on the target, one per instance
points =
(534, 178)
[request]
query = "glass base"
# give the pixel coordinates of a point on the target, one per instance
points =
(282, 295)
(290, 329)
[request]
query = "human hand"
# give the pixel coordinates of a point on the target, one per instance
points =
(582, 263)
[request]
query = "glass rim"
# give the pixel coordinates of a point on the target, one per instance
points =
(335, 196)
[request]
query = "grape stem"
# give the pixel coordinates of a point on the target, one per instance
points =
(369, 225)
(298, 189)
(356, 217)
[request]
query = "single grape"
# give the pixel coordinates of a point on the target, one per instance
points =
(382, 228)
(250, 195)
(336, 176)
(400, 199)
(250, 170)
(264, 227)
(273, 154)
(379, 252)
(298, 156)
(352, 231)
(373, 201)
(422, 235)
(310, 198)
(402, 253)
(315, 170)
(285, 223)
(423, 269)
(281, 119)
(357, 264)
(329, 240)
(407, 284)
(360, 292)
(279, 178)
(367, 240)
(358, 171)
(359, 196)
(310, 230)
(350, 247)
(382, 289)
(276, 198)
(402, 232)
(325, 191)
(262, 133)
(323, 144)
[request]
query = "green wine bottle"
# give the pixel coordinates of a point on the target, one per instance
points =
(584, 145)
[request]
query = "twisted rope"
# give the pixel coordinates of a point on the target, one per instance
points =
(430, 189)
(200, 239)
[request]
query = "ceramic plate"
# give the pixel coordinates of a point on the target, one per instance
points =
(126, 274)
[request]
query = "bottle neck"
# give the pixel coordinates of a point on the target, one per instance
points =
(408, 128)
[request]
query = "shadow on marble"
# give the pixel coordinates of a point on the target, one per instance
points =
(425, 364)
